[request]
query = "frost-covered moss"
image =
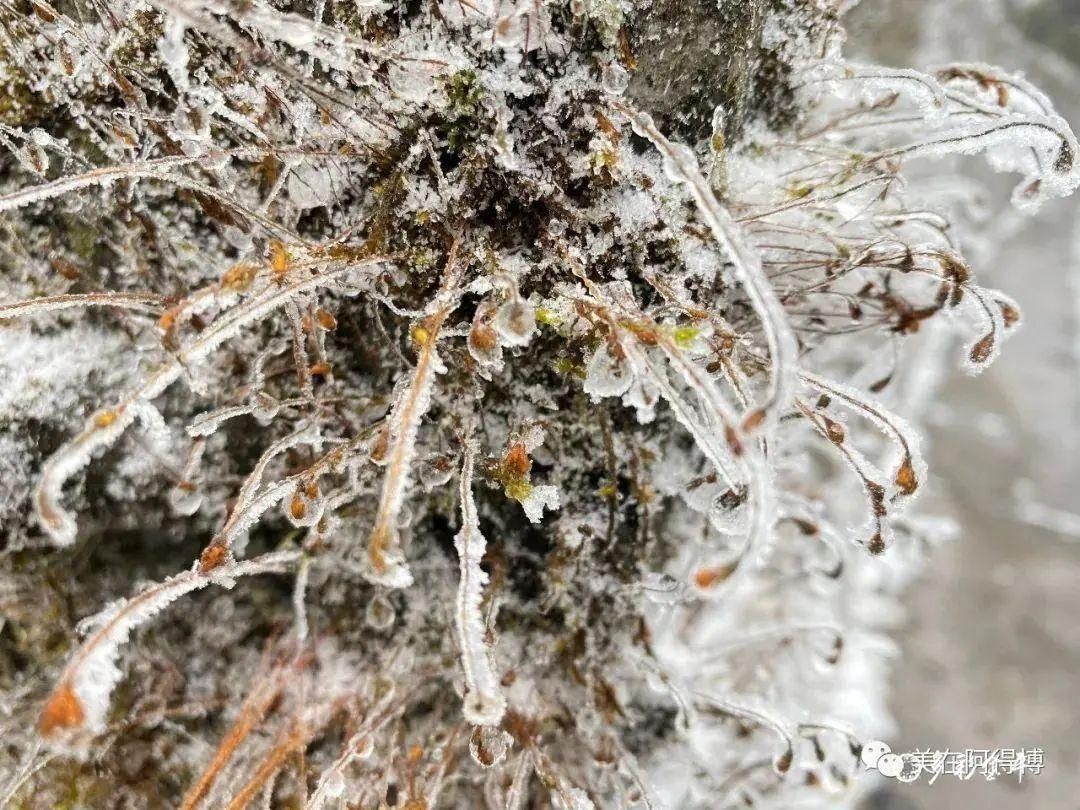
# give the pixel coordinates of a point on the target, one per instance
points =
(497, 395)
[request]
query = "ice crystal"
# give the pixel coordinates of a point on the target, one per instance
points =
(550, 348)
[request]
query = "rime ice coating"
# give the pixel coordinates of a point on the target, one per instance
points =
(79, 703)
(381, 243)
(484, 701)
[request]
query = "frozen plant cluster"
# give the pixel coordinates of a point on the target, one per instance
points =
(428, 410)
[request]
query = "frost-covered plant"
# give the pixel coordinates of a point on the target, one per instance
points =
(559, 405)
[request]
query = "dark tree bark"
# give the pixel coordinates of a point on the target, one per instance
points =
(695, 55)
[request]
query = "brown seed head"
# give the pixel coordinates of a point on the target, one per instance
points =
(103, 419)
(297, 506)
(326, 320)
(63, 710)
(516, 463)
(213, 556)
(706, 578)
(482, 337)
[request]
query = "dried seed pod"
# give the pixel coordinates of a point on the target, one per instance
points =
(63, 711)
(279, 259)
(326, 320)
(983, 350)
(483, 341)
(239, 277)
(905, 479)
(516, 463)
(104, 419)
(213, 556)
(710, 577)
(835, 430)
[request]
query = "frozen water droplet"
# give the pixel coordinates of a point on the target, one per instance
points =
(306, 506)
(516, 321)
(679, 163)
(615, 78)
(488, 746)
(380, 613)
(484, 341)
(607, 375)
(265, 408)
(185, 499)
(435, 471)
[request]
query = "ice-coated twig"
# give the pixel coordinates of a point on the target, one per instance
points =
(136, 301)
(155, 168)
(571, 796)
(873, 482)
(384, 555)
(783, 350)
(988, 77)
(80, 700)
(750, 467)
(332, 782)
(106, 426)
(97, 177)
(254, 500)
(484, 701)
(328, 44)
(265, 693)
(516, 793)
(628, 762)
(1059, 178)
(384, 546)
(706, 702)
(301, 626)
(148, 170)
(911, 471)
(719, 652)
(102, 429)
(894, 78)
(719, 453)
(35, 761)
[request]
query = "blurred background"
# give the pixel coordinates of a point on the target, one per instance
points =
(991, 646)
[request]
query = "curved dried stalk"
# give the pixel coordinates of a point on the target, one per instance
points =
(911, 470)
(258, 703)
(519, 784)
(138, 302)
(106, 426)
(720, 453)
(711, 703)
(80, 700)
(750, 468)
(384, 553)
(254, 500)
(783, 349)
(332, 782)
(870, 478)
(292, 741)
(484, 701)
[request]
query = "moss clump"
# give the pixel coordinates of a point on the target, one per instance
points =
(465, 96)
